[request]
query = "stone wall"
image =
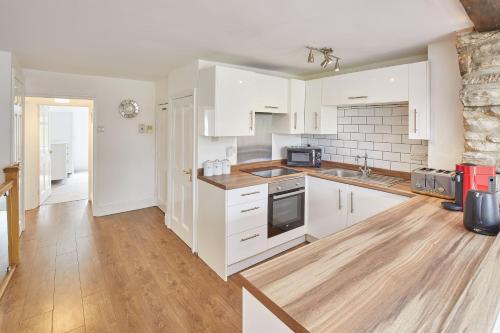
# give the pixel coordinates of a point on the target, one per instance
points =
(479, 60)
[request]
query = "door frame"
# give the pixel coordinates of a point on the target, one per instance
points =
(171, 142)
(92, 146)
(161, 166)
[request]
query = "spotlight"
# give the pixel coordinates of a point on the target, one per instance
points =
(326, 62)
(337, 66)
(310, 58)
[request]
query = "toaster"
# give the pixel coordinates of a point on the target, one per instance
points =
(434, 182)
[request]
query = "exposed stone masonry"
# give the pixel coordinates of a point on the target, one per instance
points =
(479, 60)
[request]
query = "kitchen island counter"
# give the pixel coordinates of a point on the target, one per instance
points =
(411, 268)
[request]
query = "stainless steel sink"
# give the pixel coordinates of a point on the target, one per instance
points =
(357, 175)
(343, 173)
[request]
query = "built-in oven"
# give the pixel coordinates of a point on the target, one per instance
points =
(286, 206)
(304, 156)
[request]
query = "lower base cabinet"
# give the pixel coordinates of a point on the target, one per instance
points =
(333, 206)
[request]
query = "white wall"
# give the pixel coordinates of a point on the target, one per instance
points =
(124, 160)
(5, 110)
(447, 134)
(161, 94)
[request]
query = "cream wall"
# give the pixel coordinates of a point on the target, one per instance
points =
(447, 135)
(124, 160)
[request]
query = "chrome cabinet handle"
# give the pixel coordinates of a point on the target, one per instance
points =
(352, 202)
(250, 193)
(357, 97)
(251, 120)
(414, 120)
(295, 120)
(315, 120)
(270, 107)
(250, 237)
(249, 209)
(340, 199)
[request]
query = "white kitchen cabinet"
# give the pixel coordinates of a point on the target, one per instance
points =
(364, 203)
(327, 207)
(293, 121)
(318, 119)
(376, 86)
(272, 94)
(333, 206)
(226, 101)
(419, 101)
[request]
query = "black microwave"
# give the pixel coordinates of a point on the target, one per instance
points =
(303, 156)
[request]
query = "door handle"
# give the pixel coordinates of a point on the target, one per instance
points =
(295, 120)
(315, 120)
(414, 120)
(251, 120)
(357, 97)
(190, 173)
(340, 199)
(250, 237)
(352, 203)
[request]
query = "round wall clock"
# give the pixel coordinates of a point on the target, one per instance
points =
(129, 108)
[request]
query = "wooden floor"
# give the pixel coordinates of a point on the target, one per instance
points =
(120, 273)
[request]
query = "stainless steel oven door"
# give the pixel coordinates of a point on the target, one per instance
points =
(286, 211)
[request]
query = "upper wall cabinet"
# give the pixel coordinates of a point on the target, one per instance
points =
(272, 94)
(293, 121)
(382, 85)
(226, 101)
(318, 119)
(419, 101)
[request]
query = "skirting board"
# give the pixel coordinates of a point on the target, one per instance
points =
(120, 207)
(239, 266)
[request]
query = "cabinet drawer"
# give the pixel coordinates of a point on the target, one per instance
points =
(246, 244)
(247, 216)
(246, 194)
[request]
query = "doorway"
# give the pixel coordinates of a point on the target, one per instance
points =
(59, 139)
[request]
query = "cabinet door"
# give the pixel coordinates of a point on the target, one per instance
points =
(313, 106)
(235, 102)
(297, 106)
(272, 94)
(364, 203)
(419, 101)
(327, 120)
(326, 207)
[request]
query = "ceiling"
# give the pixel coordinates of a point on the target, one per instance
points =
(147, 39)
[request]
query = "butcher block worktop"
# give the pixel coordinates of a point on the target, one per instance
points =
(411, 268)
(239, 178)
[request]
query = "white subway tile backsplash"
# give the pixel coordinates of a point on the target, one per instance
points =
(388, 156)
(400, 129)
(382, 129)
(398, 166)
(358, 120)
(365, 145)
(374, 120)
(351, 128)
(358, 136)
(381, 132)
(400, 148)
(392, 138)
(382, 146)
(374, 137)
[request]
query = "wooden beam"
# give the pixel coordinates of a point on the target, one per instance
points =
(12, 175)
(485, 14)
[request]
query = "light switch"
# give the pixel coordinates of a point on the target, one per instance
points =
(142, 128)
(149, 129)
(100, 129)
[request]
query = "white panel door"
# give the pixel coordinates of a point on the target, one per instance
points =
(180, 209)
(327, 207)
(364, 203)
(45, 159)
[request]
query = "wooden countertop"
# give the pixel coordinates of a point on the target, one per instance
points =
(411, 268)
(239, 178)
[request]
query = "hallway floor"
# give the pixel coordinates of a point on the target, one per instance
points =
(121, 273)
(75, 187)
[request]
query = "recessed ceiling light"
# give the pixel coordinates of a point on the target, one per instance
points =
(61, 100)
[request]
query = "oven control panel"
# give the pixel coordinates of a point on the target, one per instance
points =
(287, 185)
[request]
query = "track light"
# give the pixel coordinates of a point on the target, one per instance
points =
(337, 66)
(310, 58)
(327, 54)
